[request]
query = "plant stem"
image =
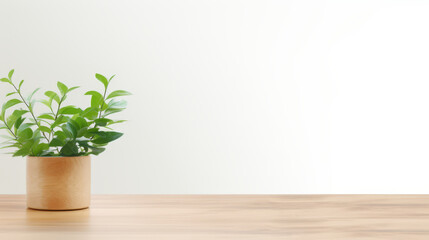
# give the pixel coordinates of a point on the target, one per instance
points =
(101, 109)
(102, 104)
(10, 130)
(56, 116)
(31, 111)
(16, 138)
(59, 105)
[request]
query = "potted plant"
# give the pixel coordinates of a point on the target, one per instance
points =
(58, 143)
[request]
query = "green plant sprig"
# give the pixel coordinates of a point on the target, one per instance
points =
(68, 131)
(28, 105)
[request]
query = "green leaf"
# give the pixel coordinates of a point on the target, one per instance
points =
(24, 126)
(46, 103)
(20, 84)
(25, 149)
(39, 148)
(102, 79)
(118, 93)
(96, 98)
(62, 87)
(18, 123)
(11, 74)
(77, 127)
(46, 116)
(117, 121)
(72, 88)
(106, 137)
(52, 95)
(44, 129)
(70, 130)
(10, 103)
(60, 135)
(69, 110)
(69, 149)
(101, 103)
(11, 93)
(31, 95)
(81, 121)
(102, 121)
(37, 134)
(90, 113)
(117, 104)
(15, 116)
(97, 151)
(60, 120)
(114, 106)
(25, 134)
(9, 146)
(104, 107)
(82, 132)
(5, 80)
(31, 105)
(110, 79)
(74, 123)
(91, 132)
(112, 111)
(84, 144)
(56, 142)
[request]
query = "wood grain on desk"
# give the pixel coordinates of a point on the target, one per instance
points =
(223, 217)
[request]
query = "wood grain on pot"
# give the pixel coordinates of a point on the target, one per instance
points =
(58, 183)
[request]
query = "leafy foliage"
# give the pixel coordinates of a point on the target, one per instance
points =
(65, 130)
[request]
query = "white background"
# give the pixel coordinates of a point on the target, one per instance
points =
(238, 96)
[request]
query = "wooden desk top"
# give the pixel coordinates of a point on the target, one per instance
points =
(221, 217)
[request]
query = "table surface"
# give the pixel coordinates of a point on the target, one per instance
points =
(223, 217)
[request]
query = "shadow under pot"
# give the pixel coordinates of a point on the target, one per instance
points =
(58, 183)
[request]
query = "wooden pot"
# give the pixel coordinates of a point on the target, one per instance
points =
(58, 183)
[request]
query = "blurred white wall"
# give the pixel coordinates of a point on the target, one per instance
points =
(238, 96)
